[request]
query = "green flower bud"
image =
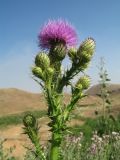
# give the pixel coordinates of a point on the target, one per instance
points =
(79, 86)
(37, 71)
(78, 89)
(86, 49)
(42, 61)
(89, 44)
(83, 82)
(50, 71)
(72, 53)
(86, 55)
(58, 52)
(29, 120)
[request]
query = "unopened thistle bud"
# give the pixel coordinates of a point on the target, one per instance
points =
(78, 89)
(86, 49)
(79, 86)
(89, 44)
(83, 82)
(72, 53)
(42, 61)
(50, 71)
(29, 120)
(37, 71)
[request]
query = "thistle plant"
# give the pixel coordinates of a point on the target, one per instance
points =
(106, 122)
(58, 39)
(104, 91)
(106, 147)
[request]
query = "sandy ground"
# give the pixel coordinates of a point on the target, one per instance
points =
(14, 137)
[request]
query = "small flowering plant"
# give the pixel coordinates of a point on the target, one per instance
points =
(58, 39)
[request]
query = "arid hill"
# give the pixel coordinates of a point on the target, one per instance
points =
(113, 88)
(14, 101)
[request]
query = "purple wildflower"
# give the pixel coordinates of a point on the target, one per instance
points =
(57, 32)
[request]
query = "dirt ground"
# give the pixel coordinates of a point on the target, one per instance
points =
(14, 136)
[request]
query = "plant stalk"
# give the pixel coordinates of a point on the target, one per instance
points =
(55, 147)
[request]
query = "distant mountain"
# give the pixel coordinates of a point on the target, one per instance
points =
(113, 88)
(15, 101)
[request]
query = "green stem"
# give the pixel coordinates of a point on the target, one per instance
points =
(55, 147)
(70, 107)
(68, 75)
(35, 140)
(104, 114)
(74, 70)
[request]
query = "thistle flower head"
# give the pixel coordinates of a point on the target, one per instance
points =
(57, 32)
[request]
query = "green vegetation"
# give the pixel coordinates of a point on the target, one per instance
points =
(48, 73)
(99, 124)
(106, 147)
(104, 93)
(81, 142)
(18, 118)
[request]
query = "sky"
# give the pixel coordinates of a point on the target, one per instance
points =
(21, 21)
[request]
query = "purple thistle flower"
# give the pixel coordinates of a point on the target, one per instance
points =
(57, 32)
